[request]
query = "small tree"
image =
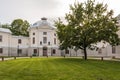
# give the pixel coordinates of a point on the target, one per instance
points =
(19, 27)
(87, 24)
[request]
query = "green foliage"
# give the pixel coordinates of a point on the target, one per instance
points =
(19, 27)
(59, 69)
(5, 26)
(87, 24)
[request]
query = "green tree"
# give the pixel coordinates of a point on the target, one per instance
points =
(19, 27)
(5, 26)
(87, 24)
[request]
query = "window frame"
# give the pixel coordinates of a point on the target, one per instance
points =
(19, 41)
(33, 40)
(113, 49)
(44, 40)
(1, 50)
(55, 41)
(54, 51)
(44, 33)
(35, 51)
(1, 38)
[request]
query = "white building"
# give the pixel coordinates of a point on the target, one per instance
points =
(42, 41)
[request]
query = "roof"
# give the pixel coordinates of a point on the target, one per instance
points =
(42, 22)
(5, 30)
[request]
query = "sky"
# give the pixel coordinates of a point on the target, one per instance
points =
(34, 10)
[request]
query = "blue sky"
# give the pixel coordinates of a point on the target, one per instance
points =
(33, 10)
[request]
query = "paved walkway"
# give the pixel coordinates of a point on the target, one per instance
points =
(11, 58)
(7, 58)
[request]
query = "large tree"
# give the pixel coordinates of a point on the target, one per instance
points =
(87, 24)
(19, 27)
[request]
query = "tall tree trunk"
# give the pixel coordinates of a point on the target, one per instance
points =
(85, 54)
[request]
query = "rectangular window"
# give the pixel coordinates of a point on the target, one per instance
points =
(67, 51)
(40, 42)
(54, 40)
(0, 38)
(33, 40)
(19, 41)
(44, 39)
(19, 51)
(1, 50)
(44, 33)
(100, 51)
(113, 49)
(48, 43)
(54, 51)
(54, 34)
(35, 51)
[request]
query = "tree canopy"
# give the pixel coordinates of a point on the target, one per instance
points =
(19, 27)
(87, 24)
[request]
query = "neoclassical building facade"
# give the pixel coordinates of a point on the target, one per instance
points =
(43, 41)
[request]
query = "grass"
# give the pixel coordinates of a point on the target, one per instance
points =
(59, 69)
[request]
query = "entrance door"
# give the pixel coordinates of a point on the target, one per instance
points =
(45, 51)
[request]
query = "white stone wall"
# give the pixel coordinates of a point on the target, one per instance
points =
(5, 39)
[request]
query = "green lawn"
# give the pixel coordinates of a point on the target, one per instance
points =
(59, 69)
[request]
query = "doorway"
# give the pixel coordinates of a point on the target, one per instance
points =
(45, 51)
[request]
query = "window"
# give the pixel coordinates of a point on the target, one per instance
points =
(99, 51)
(1, 50)
(44, 39)
(54, 40)
(54, 51)
(0, 38)
(33, 33)
(33, 40)
(19, 51)
(35, 51)
(67, 51)
(19, 41)
(40, 42)
(54, 34)
(44, 33)
(113, 49)
(48, 43)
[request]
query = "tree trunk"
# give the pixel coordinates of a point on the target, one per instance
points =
(85, 54)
